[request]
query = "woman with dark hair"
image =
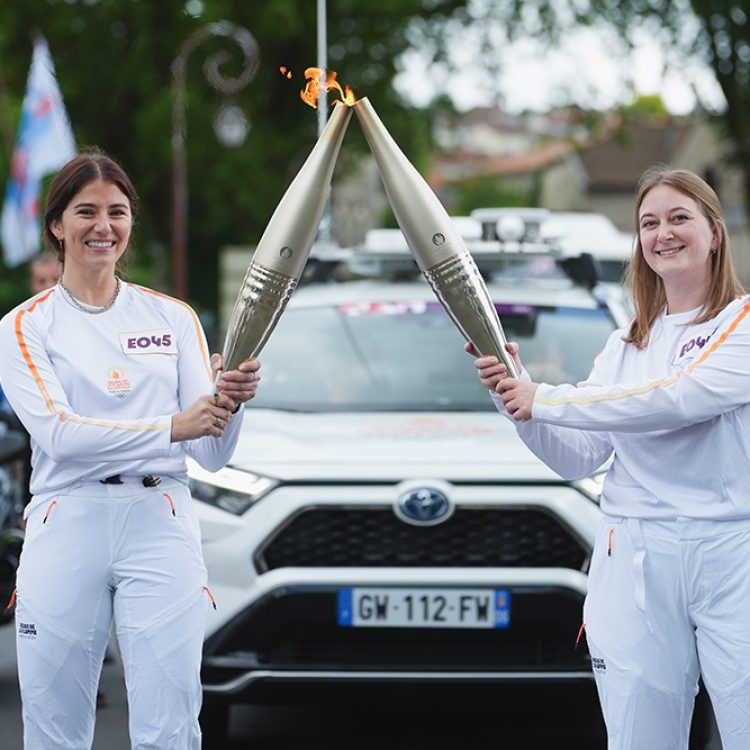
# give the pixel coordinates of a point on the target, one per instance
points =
(114, 384)
(668, 401)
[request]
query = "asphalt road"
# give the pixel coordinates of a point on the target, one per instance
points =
(522, 718)
(399, 721)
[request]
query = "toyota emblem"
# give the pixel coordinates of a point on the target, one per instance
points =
(424, 506)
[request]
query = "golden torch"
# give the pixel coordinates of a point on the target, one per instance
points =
(282, 252)
(436, 244)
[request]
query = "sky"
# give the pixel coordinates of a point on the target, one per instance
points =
(586, 70)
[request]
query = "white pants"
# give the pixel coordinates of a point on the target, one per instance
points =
(99, 551)
(669, 601)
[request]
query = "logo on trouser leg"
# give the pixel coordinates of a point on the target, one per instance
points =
(598, 663)
(27, 630)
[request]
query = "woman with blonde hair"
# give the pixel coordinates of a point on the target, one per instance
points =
(648, 289)
(668, 402)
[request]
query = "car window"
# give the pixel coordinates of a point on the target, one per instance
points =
(409, 355)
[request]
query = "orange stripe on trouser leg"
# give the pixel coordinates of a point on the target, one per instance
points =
(210, 596)
(610, 542)
(580, 634)
(170, 502)
(12, 599)
(49, 510)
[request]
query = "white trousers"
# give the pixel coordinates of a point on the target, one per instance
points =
(103, 551)
(669, 601)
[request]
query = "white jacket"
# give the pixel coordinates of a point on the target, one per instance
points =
(675, 416)
(97, 392)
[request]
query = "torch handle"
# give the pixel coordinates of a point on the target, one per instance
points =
(435, 242)
(219, 373)
(460, 288)
(282, 252)
(262, 298)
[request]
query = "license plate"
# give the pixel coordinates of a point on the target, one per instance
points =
(423, 608)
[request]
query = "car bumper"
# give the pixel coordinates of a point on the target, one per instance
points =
(277, 620)
(290, 635)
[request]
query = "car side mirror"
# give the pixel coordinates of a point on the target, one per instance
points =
(583, 269)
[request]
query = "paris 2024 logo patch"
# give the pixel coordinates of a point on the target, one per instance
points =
(117, 384)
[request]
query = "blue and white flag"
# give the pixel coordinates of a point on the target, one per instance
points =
(44, 143)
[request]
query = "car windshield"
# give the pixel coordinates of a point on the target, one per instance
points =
(409, 355)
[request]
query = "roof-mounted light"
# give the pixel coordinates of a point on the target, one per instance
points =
(510, 228)
(525, 223)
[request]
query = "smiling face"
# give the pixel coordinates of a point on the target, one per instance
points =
(676, 238)
(95, 227)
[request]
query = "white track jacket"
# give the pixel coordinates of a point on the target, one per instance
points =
(97, 392)
(675, 416)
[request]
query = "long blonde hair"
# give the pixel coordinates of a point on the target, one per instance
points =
(649, 296)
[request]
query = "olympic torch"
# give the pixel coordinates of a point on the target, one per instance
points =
(282, 252)
(436, 244)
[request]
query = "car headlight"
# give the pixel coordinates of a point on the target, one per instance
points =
(591, 486)
(229, 489)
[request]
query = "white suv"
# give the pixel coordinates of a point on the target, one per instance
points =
(380, 521)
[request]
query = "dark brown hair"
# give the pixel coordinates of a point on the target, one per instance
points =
(90, 165)
(649, 295)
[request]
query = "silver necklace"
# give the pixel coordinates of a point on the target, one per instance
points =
(88, 308)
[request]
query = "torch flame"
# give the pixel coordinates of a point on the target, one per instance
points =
(316, 86)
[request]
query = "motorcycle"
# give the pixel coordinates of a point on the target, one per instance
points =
(13, 445)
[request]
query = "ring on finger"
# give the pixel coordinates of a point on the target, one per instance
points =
(217, 423)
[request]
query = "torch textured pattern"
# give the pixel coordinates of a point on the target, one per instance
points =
(283, 249)
(460, 288)
(262, 299)
(435, 242)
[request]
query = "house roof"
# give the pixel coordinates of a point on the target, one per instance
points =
(612, 163)
(617, 162)
(493, 118)
(461, 166)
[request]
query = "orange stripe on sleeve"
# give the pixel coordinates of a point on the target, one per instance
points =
(196, 323)
(657, 383)
(721, 339)
(27, 355)
(49, 403)
(611, 396)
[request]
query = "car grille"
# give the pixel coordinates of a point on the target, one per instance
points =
(296, 629)
(375, 537)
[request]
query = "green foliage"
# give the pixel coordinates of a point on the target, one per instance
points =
(113, 61)
(646, 107)
(489, 192)
(716, 32)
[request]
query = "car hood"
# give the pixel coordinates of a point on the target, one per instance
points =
(372, 446)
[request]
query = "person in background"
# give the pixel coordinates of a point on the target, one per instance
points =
(44, 271)
(668, 401)
(115, 386)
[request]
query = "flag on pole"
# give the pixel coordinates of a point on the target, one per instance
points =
(44, 143)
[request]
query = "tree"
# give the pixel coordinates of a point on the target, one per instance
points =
(491, 191)
(716, 31)
(113, 62)
(645, 107)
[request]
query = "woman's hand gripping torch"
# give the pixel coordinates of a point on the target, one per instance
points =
(282, 252)
(437, 246)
